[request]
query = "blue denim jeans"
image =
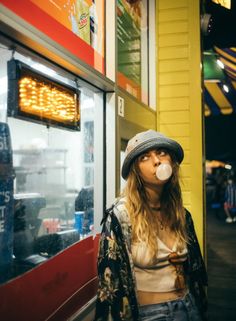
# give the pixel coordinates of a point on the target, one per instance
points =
(183, 309)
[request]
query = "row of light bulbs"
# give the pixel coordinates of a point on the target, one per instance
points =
(44, 99)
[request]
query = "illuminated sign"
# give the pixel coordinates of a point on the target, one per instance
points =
(34, 96)
(223, 3)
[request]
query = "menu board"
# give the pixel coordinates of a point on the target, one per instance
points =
(130, 54)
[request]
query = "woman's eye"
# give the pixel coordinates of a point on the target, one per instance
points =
(144, 157)
(161, 153)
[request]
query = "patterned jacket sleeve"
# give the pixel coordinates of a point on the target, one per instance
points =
(112, 296)
(195, 268)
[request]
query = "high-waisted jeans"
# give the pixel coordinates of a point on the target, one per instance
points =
(183, 309)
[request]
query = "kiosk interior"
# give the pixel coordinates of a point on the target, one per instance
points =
(49, 116)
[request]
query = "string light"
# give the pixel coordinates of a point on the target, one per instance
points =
(226, 88)
(220, 64)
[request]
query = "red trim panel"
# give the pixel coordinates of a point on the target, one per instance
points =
(69, 276)
(74, 303)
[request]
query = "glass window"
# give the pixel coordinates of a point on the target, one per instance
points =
(52, 196)
(132, 34)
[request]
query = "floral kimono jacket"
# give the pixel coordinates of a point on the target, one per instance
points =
(116, 296)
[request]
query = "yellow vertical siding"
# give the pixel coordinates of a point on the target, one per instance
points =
(179, 111)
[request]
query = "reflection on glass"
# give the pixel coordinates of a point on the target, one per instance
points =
(53, 197)
(88, 141)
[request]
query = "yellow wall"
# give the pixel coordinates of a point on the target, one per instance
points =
(179, 113)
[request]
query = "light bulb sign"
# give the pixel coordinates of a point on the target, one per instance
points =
(33, 96)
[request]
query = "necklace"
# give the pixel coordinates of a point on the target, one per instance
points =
(155, 208)
(160, 223)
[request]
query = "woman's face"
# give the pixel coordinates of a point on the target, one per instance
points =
(149, 162)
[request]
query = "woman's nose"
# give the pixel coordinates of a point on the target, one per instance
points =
(156, 159)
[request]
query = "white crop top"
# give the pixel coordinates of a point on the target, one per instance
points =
(160, 276)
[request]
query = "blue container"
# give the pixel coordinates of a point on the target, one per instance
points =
(6, 202)
(6, 220)
(79, 221)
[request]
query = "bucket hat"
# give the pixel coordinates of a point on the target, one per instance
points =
(145, 141)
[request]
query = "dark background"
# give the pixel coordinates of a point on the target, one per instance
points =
(220, 130)
(220, 137)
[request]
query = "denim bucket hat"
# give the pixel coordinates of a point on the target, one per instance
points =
(145, 141)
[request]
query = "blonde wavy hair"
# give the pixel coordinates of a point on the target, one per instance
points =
(144, 223)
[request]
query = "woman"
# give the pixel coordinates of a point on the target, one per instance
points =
(149, 263)
(230, 200)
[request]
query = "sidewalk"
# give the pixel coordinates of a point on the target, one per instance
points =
(221, 266)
